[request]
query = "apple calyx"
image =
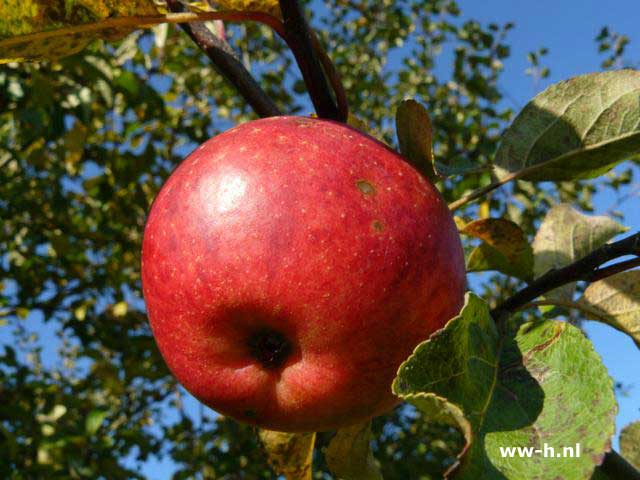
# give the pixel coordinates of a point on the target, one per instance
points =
(270, 348)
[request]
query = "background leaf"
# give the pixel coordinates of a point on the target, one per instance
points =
(565, 236)
(349, 454)
(578, 128)
(289, 454)
(505, 248)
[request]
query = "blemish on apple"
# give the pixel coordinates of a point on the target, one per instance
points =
(377, 226)
(366, 187)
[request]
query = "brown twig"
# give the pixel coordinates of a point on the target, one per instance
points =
(484, 190)
(334, 77)
(587, 269)
(610, 270)
(299, 40)
(228, 65)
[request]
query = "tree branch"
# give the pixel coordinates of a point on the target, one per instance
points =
(587, 269)
(299, 39)
(616, 467)
(228, 65)
(602, 273)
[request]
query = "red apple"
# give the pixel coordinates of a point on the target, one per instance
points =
(290, 265)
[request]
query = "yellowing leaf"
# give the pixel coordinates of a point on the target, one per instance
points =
(505, 248)
(616, 302)
(349, 454)
(565, 236)
(289, 453)
(35, 29)
(272, 7)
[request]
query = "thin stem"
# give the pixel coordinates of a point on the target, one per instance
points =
(228, 65)
(334, 77)
(586, 269)
(484, 190)
(299, 39)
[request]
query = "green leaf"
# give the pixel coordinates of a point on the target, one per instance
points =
(349, 455)
(290, 454)
(565, 236)
(415, 136)
(74, 144)
(616, 302)
(505, 248)
(94, 420)
(514, 391)
(630, 443)
(578, 128)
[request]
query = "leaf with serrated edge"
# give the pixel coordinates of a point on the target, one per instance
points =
(578, 128)
(289, 454)
(565, 236)
(505, 248)
(349, 455)
(513, 393)
(630, 443)
(616, 302)
(438, 410)
(36, 30)
(415, 136)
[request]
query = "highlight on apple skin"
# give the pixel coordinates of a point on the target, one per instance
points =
(290, 265)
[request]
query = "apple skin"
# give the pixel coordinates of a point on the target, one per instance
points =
(290, 265)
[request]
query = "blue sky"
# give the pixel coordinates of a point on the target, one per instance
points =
(567, 28)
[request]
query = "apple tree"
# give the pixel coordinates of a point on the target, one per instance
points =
(100, 101)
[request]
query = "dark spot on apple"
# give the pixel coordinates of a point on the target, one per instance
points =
(250, 413)
(365, 187)
(377, 226)
(270, 348)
